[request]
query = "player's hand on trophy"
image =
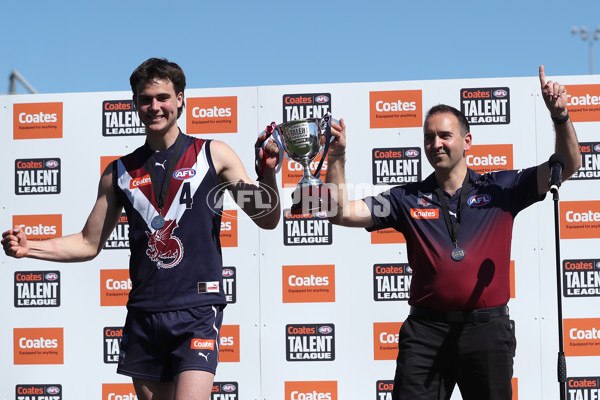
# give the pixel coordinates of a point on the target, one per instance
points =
(338, 131)
(14, 242)
(555, 96)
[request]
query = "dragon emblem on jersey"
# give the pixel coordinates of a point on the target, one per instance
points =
(165, 249)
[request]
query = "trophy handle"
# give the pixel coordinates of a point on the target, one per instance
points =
(326, 120)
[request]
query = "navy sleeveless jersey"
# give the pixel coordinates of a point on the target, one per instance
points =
(178, 265)
(482, 278)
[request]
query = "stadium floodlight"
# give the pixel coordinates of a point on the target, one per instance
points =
(16, 76)
(590, 37)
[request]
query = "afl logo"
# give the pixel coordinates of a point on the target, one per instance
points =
(321, 99)
(500, 93)
(479, 200)
(597, 148)
(324, 330)
(598, 265)
(228, 387)
(411, 153)
(51, 163)
(227, 273)
(184, 173)
(53, 390)
(51, 276)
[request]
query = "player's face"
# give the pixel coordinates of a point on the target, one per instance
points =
(444, 145)
(157, 105)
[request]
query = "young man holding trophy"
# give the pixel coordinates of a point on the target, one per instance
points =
(170, 343)
(458, 330)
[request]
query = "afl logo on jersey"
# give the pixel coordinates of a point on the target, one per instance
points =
(184, 173)
(479, 200)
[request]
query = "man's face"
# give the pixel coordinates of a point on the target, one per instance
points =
(444, 145)
(157, 105)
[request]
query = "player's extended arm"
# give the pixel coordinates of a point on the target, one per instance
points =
(77, 247)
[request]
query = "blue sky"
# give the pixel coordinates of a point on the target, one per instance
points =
(82, 46)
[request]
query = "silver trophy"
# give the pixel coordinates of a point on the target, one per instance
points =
(302, 141)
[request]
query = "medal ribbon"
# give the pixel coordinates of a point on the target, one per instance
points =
(160, 193)
(453, 229)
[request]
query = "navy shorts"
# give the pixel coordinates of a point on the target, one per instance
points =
(157, 346)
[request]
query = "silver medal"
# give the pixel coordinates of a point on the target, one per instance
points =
(157, 222)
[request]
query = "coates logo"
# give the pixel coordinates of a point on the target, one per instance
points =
(118, 391)
(306, 105)
(479, 200)
(385, 340)
(38, 346)
(138, 182)
(52, 164)
(184, 173)
(580, 219)
(308, 283)
(387, 236)
(165, 249)
(396, 109)
(38, 392)
(229, 228)
(582, 336)
(38, 121)
(590, 162)
(115, 286)
(583, 102)
(316, 390)
(411, 153)
(212, 115)
(229, 343)
(202, 344)
(40, 227)
(424, 213)
(490, 157)
(500, 93)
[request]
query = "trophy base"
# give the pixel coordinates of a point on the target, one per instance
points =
(311, 199)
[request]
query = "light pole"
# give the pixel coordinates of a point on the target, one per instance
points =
(590, 37)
